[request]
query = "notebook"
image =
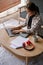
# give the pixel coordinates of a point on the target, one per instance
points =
(18, 42)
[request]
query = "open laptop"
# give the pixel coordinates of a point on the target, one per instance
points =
(8, 30)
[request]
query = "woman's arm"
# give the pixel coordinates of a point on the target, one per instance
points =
(24, 24)
(19, 27)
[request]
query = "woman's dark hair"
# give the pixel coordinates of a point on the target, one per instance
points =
(31, 6)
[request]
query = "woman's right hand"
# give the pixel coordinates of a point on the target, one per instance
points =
(15, 28)
(15, 31)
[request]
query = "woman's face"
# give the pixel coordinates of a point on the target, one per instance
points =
(29, 12)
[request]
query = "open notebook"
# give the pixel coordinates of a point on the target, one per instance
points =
(18, 42)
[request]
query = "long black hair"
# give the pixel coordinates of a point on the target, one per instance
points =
(32, 7)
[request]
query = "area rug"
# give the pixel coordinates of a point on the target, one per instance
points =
(6, 58)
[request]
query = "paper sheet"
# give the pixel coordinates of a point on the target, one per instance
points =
(18, 42)
(1, 26)
(13, 46)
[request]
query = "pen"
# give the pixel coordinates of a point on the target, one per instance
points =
(19, 47)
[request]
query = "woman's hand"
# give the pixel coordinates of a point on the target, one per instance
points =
(15, 31)
(16, 28)
(22, 30)
(18, 31)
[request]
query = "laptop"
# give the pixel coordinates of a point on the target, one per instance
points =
(23, 34)
(8, 30)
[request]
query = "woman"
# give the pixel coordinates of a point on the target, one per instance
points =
(33, 21)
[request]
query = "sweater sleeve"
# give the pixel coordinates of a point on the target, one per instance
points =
(35, 26)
